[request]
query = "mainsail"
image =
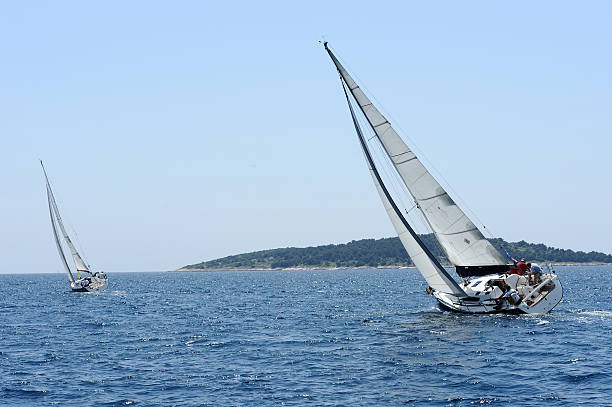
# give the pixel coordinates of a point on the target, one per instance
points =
(78, 261)
(426, 263)
(56, 236)
(460, 239)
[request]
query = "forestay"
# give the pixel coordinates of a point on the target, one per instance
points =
(461, 240)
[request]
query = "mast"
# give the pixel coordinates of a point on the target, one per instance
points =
(78, 261)
(461, 240)
(433, 272)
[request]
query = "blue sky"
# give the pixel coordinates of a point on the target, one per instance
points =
(175, 132)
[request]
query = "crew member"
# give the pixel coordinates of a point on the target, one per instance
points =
(512, 297)
(535, 272)
(522, 267)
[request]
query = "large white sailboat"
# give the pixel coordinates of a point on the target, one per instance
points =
(488, 284)
(86, 279)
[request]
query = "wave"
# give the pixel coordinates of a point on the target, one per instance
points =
(599, 313)
(580, 378)
(25, 392)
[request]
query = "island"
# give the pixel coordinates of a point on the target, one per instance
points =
(381, 253)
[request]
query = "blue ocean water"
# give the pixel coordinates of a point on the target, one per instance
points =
(348, 337)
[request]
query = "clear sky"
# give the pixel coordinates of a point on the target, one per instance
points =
(176, 132)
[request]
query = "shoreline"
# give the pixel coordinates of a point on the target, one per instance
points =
(202, 270)
(290, 268)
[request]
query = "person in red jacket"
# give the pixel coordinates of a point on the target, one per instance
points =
(522, 267)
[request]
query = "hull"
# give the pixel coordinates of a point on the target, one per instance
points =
(78, 290)
(89, 284)
(486, 297)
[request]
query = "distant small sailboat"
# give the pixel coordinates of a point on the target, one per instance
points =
(86, 280)
(489, 284)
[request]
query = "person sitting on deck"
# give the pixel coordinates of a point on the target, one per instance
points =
(512, 297)
(522, 267)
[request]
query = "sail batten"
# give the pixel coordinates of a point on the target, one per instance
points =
(460, 239)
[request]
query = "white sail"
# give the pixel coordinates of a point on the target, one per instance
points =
(463, 243)
(56, 236)
(431, 270)
(78, 261)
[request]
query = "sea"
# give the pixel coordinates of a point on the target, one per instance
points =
(366, 337)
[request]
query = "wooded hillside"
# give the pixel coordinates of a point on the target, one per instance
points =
(383, 252)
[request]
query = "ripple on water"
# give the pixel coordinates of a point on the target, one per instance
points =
(347, 337)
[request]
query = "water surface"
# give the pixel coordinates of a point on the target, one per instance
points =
(349, 337)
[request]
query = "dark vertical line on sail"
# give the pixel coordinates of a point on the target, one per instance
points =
(57, 242)
(414, 235)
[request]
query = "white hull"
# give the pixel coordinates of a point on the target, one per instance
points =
(485, 296)
(89, 284)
